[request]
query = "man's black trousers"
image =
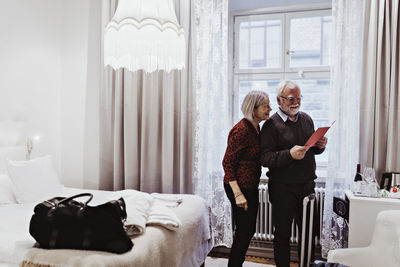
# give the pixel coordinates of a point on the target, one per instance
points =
(287, 203)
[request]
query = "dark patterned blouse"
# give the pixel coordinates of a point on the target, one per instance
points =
(242, 157)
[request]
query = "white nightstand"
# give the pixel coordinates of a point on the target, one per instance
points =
(362, 216)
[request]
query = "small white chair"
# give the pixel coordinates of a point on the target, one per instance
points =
(384, 249)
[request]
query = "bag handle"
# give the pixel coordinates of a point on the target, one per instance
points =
(76, 196)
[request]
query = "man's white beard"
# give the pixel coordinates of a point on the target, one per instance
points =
(291, 112)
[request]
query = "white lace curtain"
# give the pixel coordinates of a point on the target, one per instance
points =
(212, 119)
(345, 107)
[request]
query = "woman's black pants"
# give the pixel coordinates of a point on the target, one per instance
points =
(245, 224)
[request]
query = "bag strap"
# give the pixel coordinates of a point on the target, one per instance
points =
(76, 196)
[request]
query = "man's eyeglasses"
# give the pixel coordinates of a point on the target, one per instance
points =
(292, 99)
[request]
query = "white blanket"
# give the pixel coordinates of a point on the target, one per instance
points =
(144, 209)
(15, 240)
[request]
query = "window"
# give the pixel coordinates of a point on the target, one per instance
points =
(260, 44)
(292, 45)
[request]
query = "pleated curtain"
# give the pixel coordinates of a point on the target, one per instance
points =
(380, 93)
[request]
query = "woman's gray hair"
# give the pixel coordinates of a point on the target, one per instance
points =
(285, 84)
(252, 101)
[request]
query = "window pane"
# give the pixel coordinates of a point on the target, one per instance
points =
(268, 86)
(315, 100)
(310, 39)
(260, 44)
(315, 103)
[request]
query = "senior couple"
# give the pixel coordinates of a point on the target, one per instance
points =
(280, 147)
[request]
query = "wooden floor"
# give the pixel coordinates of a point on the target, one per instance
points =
(267, 261)
(223, 252)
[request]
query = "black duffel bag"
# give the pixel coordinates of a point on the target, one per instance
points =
(64, 223)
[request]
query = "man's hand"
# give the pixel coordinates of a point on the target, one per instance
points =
(298, 152)
(321, 143)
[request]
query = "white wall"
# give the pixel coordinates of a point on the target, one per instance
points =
(30, 67)
(49, 65)
(80, 76)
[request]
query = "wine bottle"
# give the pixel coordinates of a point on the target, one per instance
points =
(358, 175)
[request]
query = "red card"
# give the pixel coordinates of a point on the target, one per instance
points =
(320, 132)
(316, 136)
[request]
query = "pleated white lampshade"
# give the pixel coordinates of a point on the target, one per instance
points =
(144, 35)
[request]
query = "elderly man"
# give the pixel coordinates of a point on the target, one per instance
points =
(291, 165)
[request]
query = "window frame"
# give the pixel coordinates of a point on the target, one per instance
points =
(285, 72)
(237, 21)
(287, 24)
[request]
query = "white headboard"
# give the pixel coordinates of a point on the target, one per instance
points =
(13, 135)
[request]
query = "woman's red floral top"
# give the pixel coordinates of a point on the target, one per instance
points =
(242, 157)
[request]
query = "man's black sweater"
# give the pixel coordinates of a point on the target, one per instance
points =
(277, 138)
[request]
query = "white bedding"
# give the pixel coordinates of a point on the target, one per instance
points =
(158, 246)
(14, 236)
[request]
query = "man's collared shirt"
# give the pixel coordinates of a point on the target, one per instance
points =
(284, 116)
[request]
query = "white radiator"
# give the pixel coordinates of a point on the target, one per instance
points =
(264, 218)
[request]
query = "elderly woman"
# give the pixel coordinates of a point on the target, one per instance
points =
(243, 170)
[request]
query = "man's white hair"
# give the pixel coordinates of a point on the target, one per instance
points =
(285, 84)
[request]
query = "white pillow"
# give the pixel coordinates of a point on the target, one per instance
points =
(34, 180)
(11, 152)
(6, 190)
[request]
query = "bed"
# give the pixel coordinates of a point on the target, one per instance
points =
(23, 186)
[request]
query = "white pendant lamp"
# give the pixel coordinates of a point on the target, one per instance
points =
(144, 35)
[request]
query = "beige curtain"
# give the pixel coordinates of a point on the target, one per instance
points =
(380, 97)
(146, 123)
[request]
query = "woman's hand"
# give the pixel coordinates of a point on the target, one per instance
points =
(241, 201)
